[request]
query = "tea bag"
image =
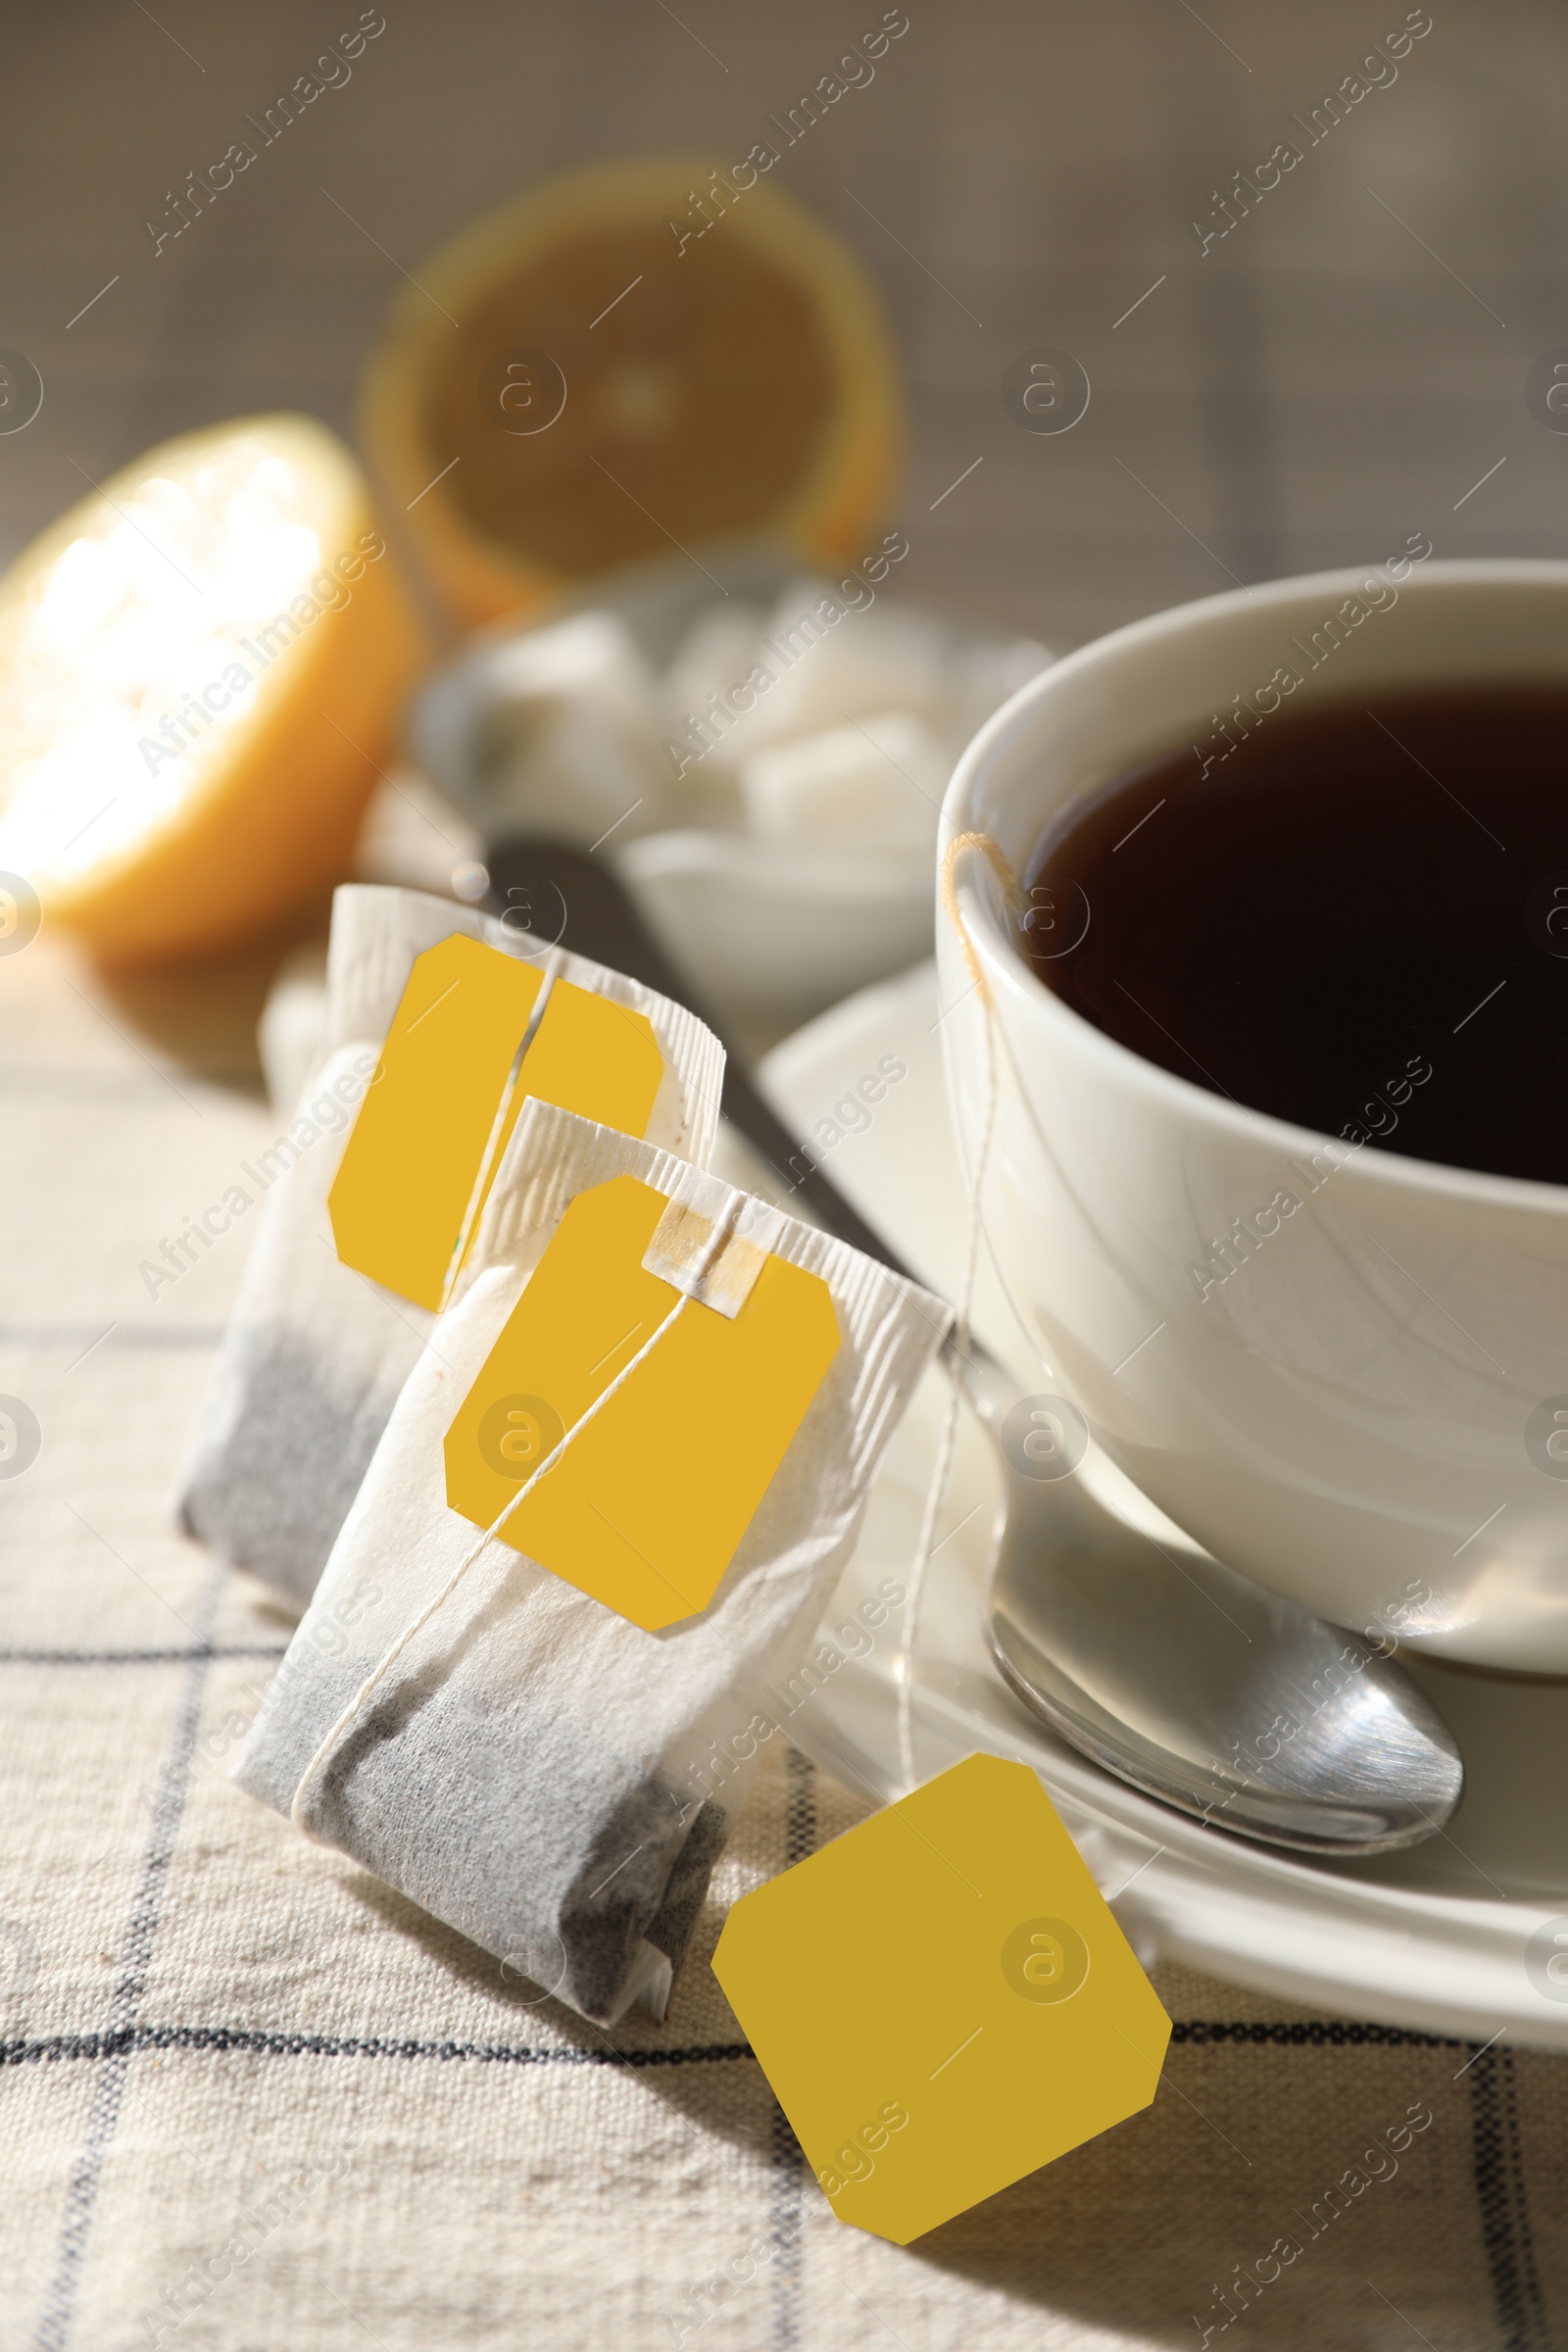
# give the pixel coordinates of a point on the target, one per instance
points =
(609, 1506)
(317, 1348)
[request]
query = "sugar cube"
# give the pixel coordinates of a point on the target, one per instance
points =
(875, 784)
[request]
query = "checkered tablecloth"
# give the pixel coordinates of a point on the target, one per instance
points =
(253, 2100)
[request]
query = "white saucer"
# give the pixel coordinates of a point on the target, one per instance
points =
(1434, 1940)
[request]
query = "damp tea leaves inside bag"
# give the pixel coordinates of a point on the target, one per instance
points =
(440, 1024)
(510, 1723)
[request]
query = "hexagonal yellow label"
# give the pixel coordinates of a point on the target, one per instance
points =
(942, 2000)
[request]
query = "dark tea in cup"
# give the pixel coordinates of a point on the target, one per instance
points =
(1354, 917)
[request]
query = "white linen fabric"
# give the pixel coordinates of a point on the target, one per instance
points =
(255, 2101)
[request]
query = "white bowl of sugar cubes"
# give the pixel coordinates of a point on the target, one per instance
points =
(763, 753)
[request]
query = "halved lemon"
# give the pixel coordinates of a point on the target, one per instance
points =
(633, 358)
(199, 669)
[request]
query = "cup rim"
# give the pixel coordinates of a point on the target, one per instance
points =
(1006, 969)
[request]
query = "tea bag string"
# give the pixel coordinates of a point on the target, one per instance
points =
(551, 968)
(717, 1241)
(935, 1491)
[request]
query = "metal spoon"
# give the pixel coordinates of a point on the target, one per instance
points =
(1170, 1670)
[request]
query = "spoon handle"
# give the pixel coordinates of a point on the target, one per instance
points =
(566, 896)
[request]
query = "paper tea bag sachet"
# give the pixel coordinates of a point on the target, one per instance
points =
(608, 1507)
(441, 1022)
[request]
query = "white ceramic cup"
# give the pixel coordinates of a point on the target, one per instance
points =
(1365, 1415)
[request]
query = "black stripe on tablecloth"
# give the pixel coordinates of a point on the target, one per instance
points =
(142, 1657)
(1498, 2164)
(789, 2161)
(1306, 2034)
(248, 2040)
(81, 2191)
(1314, 2031)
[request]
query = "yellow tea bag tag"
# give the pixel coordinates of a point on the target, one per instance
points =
(446, 1094)
(589, 1054)
(407, 1173)
(645, 1508)
(942, 2000)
